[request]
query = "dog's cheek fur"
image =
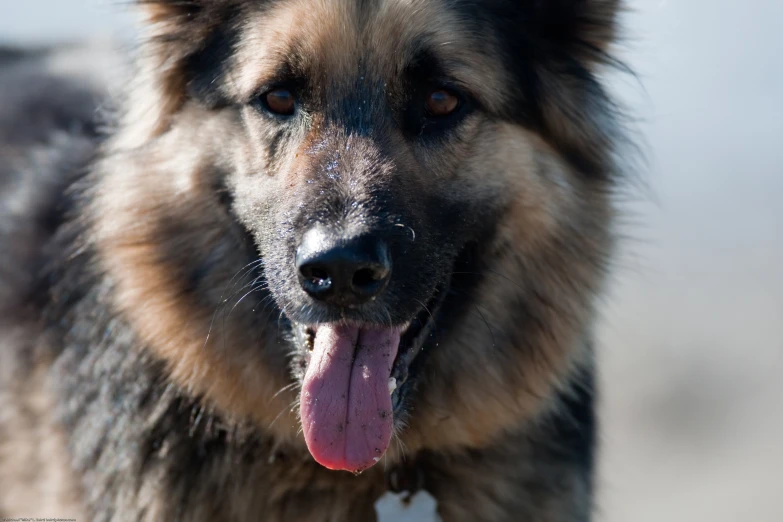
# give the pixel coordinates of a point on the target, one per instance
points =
(526, 333)
(178, 263)
(551, 183)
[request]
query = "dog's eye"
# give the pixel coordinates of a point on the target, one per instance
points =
(441, 102)
(280, 101)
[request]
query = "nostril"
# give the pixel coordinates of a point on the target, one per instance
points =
(315, 280)
(315, 274)
(366, 277)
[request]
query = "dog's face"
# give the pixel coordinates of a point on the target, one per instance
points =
(420, 188)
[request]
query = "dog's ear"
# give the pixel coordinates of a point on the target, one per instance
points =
(558, 48)
(169, 11)
(589, 23)
(181, 27)
(184, 55)
(174, 17)
(596, 21)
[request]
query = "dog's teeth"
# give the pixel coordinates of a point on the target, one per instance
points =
(376, 459)
(392, 385)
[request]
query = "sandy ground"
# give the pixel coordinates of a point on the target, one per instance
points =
(692, 336)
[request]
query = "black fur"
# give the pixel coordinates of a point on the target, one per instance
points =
(206, 67)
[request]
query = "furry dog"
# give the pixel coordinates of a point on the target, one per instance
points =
(323, 249)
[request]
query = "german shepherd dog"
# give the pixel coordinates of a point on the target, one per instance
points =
(324, 249)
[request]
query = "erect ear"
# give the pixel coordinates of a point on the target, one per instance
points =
(158, 11)
(557, 46)
(590, 23)
(596, 21)
(184, 55)
(181, 28)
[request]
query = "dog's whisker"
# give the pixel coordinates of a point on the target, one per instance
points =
(249, 268)
(284, 389)
(271, 424)
(254, 289)
(481, 315)
(227, 315)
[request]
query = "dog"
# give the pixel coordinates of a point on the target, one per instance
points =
(316, 251)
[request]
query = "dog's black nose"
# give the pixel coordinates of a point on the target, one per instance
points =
(342, 271)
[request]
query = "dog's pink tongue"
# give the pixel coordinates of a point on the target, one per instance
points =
(346, 405)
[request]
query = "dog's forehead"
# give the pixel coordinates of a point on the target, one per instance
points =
(329, 40)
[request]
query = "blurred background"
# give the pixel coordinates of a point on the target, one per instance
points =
(692, 330)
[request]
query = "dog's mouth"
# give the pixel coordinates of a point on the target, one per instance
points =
(356, 381)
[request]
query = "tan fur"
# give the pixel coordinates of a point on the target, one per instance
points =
(149, 289)
(543, 198)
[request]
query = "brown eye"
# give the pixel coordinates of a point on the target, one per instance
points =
(280, 101)
(441, 102)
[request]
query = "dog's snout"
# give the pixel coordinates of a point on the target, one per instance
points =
(342, 271)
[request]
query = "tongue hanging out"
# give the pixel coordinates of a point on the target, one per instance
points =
(346, 404)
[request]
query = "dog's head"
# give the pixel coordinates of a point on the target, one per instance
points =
(410, 195)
